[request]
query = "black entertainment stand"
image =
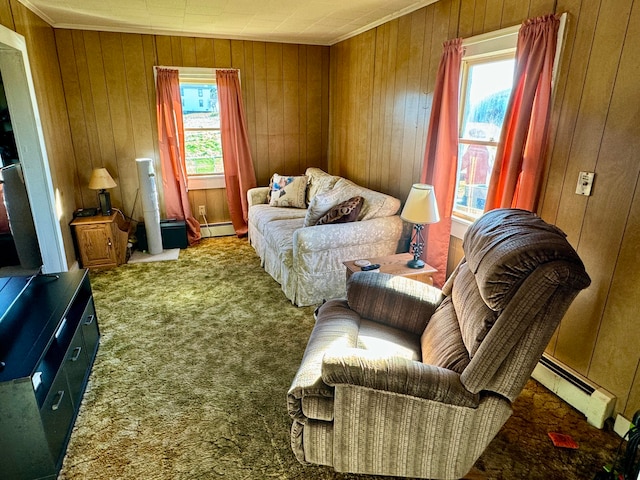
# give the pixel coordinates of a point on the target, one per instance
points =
(48, 342)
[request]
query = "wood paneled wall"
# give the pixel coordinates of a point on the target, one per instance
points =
(381, 88)
(109, 86)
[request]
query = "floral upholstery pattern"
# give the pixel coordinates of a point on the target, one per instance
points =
(307, 259)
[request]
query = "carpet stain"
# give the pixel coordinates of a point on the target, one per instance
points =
(195, 360)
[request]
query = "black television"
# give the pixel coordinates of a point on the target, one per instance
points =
(19, 249)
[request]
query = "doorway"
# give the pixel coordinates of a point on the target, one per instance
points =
(29, 139)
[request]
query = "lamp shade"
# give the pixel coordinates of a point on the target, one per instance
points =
(101, 180)
(421, 207)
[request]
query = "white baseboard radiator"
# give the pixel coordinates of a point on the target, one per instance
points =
(216, 230)
(593, 401)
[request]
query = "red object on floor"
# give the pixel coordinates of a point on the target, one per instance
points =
(563, 441)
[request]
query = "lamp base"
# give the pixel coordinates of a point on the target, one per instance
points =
(105, 202)
(415, 263)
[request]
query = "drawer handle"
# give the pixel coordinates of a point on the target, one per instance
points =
(89, 320)
(56, 405)
(76, 353)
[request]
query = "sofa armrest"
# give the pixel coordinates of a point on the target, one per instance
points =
(354, 366)
(257, 196)
(393, 300)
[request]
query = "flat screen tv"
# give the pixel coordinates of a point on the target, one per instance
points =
(18, 239)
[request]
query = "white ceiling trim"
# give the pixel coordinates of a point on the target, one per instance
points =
(384, 20)
(283, 37)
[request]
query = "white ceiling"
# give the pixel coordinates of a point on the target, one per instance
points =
(314, 22)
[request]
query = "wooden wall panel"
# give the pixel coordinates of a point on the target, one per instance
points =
(594, 128)
(583, 217)
(493, 15)
(6, 17)
(109, 83)
(615, 361)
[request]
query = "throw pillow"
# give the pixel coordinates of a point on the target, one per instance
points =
(322, 202)
(288, 191)
(344, 212)
(319, 182)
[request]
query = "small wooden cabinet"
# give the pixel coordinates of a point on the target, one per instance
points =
(101, 240)
(48, 342)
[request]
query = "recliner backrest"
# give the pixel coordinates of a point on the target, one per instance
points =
(517, 279)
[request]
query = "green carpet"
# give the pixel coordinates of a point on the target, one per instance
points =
(195, 360)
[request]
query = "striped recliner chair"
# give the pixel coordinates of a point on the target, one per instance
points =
(404, 379)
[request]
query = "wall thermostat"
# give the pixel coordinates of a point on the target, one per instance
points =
(585, 182)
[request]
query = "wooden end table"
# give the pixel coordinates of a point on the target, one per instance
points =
(101, 239)
(396, 265)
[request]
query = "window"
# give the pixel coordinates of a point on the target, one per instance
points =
(485, 89)
(486, 80)
(203, 149)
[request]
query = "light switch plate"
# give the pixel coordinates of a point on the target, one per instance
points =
(585, 182)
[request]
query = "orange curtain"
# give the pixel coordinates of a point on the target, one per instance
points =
(519, 164)
(172, 158)
(238, 166)
(441, 156)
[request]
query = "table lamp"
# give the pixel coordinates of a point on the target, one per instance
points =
(101, 180)
(420, 209)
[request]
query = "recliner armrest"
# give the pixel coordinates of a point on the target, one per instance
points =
(392, 300)
(355, 366)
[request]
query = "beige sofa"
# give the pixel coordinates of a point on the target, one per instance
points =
(307, 259)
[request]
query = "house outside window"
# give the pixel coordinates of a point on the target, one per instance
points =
(201, 115)
(485, 88)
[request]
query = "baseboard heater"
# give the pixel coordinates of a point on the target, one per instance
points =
(593, 401)
(217, 230)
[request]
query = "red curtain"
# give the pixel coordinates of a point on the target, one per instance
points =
(238, 165)
(172, 158)
(519, 164)
(441, 156)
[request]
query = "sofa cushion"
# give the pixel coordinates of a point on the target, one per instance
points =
(261, 215)
(507, 246)
(288, 191)
(344, 212)
(474, 317)
(441, 341)
(376, 204)
(319, 182)
(279, 237)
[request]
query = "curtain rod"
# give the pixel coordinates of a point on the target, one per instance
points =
(195, 69)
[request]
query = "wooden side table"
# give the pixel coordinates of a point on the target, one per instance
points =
(101, 240)
(396, 265)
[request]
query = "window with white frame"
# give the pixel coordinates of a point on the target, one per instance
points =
(201, 115)
(485, 86)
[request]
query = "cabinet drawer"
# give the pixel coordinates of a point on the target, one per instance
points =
(76, 363)
(90, 330)
(57, 415)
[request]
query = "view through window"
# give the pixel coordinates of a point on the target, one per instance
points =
(485, 89)
(201, 114)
